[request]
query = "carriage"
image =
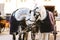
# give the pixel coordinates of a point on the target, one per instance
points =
(52, 9)
(3, 24)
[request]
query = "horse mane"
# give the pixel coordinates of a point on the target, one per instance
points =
(14, 12)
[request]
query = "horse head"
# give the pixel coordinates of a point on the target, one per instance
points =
(39, 13)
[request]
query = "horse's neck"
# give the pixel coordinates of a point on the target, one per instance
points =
(21, 14)
(32, 16)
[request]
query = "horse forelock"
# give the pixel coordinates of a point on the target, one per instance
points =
(42, 12)
(37, 13)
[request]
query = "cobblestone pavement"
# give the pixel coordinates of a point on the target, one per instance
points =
(5, 36)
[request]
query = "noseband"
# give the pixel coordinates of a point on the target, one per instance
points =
(36, 16)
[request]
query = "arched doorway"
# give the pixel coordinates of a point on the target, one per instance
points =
(50, 8)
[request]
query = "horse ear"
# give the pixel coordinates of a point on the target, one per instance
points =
(36, 8)
(30, 11)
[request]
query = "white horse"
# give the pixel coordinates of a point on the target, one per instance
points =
(39, 13)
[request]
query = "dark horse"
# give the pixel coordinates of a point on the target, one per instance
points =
(42, 20)
(18, 20)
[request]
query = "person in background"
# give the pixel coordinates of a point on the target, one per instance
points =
(55, 13)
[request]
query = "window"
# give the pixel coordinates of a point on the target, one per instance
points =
(8, 0)
(47, 0)
(23, 0)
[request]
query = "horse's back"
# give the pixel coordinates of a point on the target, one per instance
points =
(45, 25)
(14, 22)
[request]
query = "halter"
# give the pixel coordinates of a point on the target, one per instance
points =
(36, 16)
(36, 12)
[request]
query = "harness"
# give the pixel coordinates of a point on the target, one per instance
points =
(36, 16)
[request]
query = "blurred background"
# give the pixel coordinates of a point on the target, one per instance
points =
(8, 6)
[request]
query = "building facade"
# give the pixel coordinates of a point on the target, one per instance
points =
(8, 6)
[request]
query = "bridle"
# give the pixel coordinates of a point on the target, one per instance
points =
(35, 14)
